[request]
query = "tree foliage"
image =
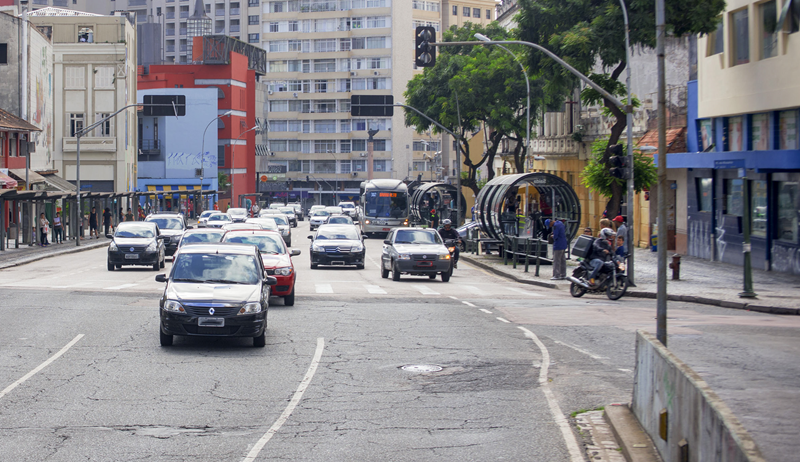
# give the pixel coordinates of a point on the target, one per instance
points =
(468, 86)
(596, 177)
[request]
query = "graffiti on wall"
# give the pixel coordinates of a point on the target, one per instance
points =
(785, 259)
(700, 239)
(721, 244)
(189, 160)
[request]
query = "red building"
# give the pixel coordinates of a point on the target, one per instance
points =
(217, 65)
(13, 132)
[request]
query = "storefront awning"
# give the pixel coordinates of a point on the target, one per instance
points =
(6, 182)
(33, 177)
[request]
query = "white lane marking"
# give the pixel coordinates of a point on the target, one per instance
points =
(580, 350)
(624, 370)
(524, 292)
(298, 395)
(425, 290)
(454, 298)
(468, 304)
(377, 265)
(41, 366)
(120, 287)
(80, 284)
(566, 432)
(475, 290)
(485, 311)
(503, 320)
(375, 289)
(323, 288)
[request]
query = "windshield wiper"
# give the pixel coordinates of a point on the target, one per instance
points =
(187, 280)
(224, 281)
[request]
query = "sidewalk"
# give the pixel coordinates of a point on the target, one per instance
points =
(27, 254)
(710, 283)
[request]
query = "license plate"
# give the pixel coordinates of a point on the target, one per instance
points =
(386, 229)
(131, 256)
(211, 322)
(425, 263)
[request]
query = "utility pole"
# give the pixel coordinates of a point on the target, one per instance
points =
(661, 287)
(370, 142)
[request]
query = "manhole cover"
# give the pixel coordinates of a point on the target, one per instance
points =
(421, 368)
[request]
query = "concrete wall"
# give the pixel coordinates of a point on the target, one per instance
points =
(40, 97)
(695, 413)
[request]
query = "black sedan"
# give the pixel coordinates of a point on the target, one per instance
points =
(337, 245)
(136, 243)
(172, 226)
(215, 290)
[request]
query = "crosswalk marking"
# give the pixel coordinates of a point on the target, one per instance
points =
(474, 290)
(524, 292)
(375, 290)
(425, 290)
(121, 286)
(323, 288)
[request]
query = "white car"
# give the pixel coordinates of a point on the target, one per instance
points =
(314, 208)
(318, 218)
(237, 214)
(333, 210)
(348, 208)
(201, 221)
(218, 220)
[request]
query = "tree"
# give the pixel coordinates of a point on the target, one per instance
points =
(222, 180)
(589, 32)
(595, 176)
(470, 86)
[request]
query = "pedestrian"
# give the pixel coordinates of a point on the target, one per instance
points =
(107, 221)
(58, 227)
(93, 224)
(606, 223)
(434, 219)
(44, 230)
(559, 250)
(620, 252)
(587, 231)
(472, 212)
(129, 215)
(622, 231)
(121, 216)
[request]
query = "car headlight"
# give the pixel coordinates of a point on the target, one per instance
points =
(113, 247)
(444, 256)
(250, 308)
(285, 271)
(317, 248)
(404, 256)
(357, 248)
(173, 306)
(152, 247)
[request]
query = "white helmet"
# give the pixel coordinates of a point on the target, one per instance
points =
(446, 222)
(607, 233)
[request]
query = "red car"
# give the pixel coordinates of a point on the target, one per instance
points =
(276, 256)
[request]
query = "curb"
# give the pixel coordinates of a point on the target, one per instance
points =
(76, 249)
(498, 272)
(636, 445)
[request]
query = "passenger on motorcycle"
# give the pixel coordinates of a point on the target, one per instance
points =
(447, 232)
(601, 252)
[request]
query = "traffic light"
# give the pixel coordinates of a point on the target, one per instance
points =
(424, 52)
(619, 163)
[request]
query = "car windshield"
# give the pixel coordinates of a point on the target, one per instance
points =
(266, 223)
(220, 217)
(206, 214)
(265, 243)
(280, 220)
(219, 268)
(134, 231)
(167, 223)
(345, 205)
(340, 220)
(334, 209)
(203, 236)
(286, 209)
(321, 213)
(408, 236)
(237, 212)
(350, 234)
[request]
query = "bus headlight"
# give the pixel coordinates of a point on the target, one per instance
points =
(366, 222)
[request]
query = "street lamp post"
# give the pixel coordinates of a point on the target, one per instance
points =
(335, 176)
(484, 38)
(203, 149)
(233, 162)
(629, 122)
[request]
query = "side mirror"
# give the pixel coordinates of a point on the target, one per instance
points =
(311, 237)
(161, 278)
(110, 236)
(161, 237)
(271, 281)
(295, 252)
(387, 242)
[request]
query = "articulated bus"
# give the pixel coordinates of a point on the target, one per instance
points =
(384, 205)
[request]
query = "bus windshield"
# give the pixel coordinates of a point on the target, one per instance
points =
(388, 204)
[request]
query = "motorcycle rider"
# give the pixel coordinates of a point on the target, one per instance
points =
(447, 232)
(601, 252)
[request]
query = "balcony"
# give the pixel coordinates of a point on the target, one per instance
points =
(219, 12)
(137, 2)
(219, 30)
(184, 48)
(62, 3)
(170, 48)
(170, 15)
(234, 28)
(150, 147)
(184, 14)
(183, 31)
(234, 12)
(170, 32)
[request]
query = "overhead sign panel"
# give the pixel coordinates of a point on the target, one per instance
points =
(164, 105)
(372, 105)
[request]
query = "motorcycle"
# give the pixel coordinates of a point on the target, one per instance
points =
(451, 247)
(611, 279)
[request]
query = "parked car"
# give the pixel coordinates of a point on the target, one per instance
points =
(218, 220)
(318, 218)
(215, 290)
(200, 235)
(238, 214)
(203, 218)
(417, 252)
(337, 245)
(340, 220)
(290, 215)
(276, 256)
(264, 222)
(171, 226)
(136, 243)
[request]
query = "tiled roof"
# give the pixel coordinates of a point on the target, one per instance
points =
(51, 11)
(676, 139)
(9, 121)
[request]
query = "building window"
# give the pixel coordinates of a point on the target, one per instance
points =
(75, 123)
(759, 132)
(734, 204)
(758, 208)
(85, 34)
(735, 127)
(788, 211)
(716, 40)
(74, 77)
(455, 10)
(794, 17)
(252, 3)
(253, 20)
(706, 134)
(476, 13)
(741, 40)
(359, 165)
(306, 166)
(466, 11)
(3, 53)
(787, 130)
(488, 14)
(104, 129)
(221, 161)
(104, 77)
(379, 165)
(252, 38)
(769, 34)
(704, 196)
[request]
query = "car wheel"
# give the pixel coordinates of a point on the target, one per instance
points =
(117, 266)
(261, 340)
(446, 275)
(163, 262)
(314, 266)
(289, 299)
(359, 266)
(384, 271)
(395, 273)
(157, 265)
(110, 266)
(166, 339)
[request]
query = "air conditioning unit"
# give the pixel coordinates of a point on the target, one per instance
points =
(198, 172)
(376, 73)
(294, 94)
(355, 173)
(269, 92)
(352, 74)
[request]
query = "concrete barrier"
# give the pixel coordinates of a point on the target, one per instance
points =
(699, 425)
